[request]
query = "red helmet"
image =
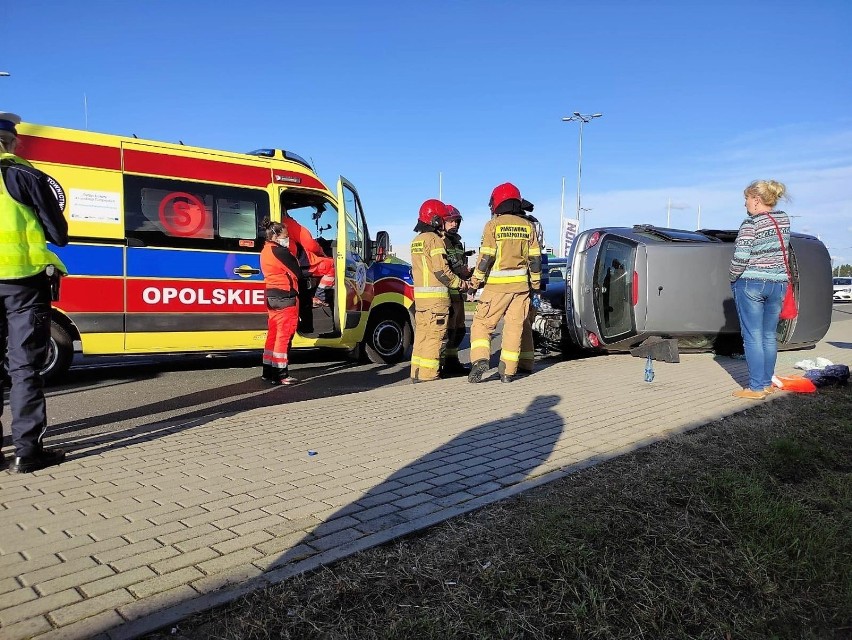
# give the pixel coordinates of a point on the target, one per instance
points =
(508, 191)
(452, 214)
(432, 212)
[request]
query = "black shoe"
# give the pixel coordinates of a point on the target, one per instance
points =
(524, 372)
(506, 378)
(454, 370)
(41, 460)
(477, 370)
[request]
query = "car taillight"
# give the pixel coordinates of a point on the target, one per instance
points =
(593, 239)
(635, 288)
(593, 339)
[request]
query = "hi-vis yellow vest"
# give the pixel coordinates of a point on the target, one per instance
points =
(23, 247)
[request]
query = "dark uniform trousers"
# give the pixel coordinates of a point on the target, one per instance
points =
(457, 328)
(527, 356)
(25, 305)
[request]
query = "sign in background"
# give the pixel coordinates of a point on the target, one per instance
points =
(570, 229)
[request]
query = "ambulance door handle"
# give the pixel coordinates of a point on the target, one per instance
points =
(245, 271)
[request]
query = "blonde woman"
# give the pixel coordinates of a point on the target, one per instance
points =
(759, 281)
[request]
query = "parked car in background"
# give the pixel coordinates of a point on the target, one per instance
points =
(626, 284)
(842, 289)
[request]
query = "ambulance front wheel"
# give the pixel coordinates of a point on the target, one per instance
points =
(60, 352)
(388, 338)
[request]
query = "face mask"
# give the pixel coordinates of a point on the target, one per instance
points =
(284, 242)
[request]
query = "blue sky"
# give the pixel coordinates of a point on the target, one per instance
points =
(697, 98)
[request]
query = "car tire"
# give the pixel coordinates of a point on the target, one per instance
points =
(388, 337)
(60, 353)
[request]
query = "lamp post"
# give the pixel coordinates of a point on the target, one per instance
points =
(582, 119)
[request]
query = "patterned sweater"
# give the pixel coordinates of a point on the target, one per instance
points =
(758, 255)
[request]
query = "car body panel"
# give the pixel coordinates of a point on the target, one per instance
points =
(675, 284)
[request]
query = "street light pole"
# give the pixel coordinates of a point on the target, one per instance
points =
(582, 119)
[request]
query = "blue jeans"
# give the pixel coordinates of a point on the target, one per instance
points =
(758, 305)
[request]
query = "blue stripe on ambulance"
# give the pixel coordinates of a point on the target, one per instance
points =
(189, 264)
(91, 259)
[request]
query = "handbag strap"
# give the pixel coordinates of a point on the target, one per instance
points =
(783, 248)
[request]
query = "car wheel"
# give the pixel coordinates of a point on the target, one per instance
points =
(388, 338)
(60, 352)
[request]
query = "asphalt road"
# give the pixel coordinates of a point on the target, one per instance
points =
(132, 396)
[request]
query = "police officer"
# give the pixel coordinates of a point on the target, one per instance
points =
(509, 264)
(456, 258)
(31, 205)
(433, 280)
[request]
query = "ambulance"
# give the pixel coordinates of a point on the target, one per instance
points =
(164, 251)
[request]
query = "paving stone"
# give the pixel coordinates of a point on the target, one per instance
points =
(74, 579)
(37, 607)
(89, 607)
(157, 602)
(26, 629)
(165, 582)
(84, 629)
(117, 581)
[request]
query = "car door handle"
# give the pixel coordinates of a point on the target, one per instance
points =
(245, 271)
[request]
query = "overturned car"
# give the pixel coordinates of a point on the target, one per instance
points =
(626, 284)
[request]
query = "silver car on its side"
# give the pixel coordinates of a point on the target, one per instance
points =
(626, 284)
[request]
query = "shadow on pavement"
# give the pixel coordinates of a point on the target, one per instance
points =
(479, 461)
(246, 396)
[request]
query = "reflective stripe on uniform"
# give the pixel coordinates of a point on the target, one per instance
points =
(428, 363)
(509, 356)
(505, 280)
(499, 273)
(431, 292)
(527, 355)
(488, 251)
(438, 251)
(480, 344)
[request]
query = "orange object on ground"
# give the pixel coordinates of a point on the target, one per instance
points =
(798, 384)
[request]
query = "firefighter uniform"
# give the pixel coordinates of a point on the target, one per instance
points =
(281, 274)
(509, 265)
(31, 204)
(432, 281)
(457, 328)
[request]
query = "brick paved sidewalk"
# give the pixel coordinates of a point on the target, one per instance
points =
(137, 536)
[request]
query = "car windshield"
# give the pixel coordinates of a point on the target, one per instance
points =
(613, 288)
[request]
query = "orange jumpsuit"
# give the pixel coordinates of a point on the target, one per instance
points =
(280, 271)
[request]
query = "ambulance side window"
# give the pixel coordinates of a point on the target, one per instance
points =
(355, 227)
(178, 213)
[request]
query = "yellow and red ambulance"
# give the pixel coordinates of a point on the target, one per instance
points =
(164, 254)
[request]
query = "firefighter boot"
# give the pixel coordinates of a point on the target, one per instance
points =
(477, 370)
(454, 369)
(504, 377)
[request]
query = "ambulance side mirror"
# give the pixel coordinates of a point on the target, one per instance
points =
(381, 246)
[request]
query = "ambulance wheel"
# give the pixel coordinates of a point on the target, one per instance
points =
(388, 338)
(60, 352)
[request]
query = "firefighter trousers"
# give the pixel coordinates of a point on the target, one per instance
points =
(430, 329)
(513, 308)
(456, 328)
(281, 329)
(25, 329)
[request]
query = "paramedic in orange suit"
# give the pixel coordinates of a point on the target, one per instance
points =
(281, 273)
(319, 264)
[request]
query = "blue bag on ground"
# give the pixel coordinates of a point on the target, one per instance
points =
(833, 374)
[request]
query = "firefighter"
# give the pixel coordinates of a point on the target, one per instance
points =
(31, 205)
(509, 265)
(281, 274)
(433, 280)
(457, 259)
